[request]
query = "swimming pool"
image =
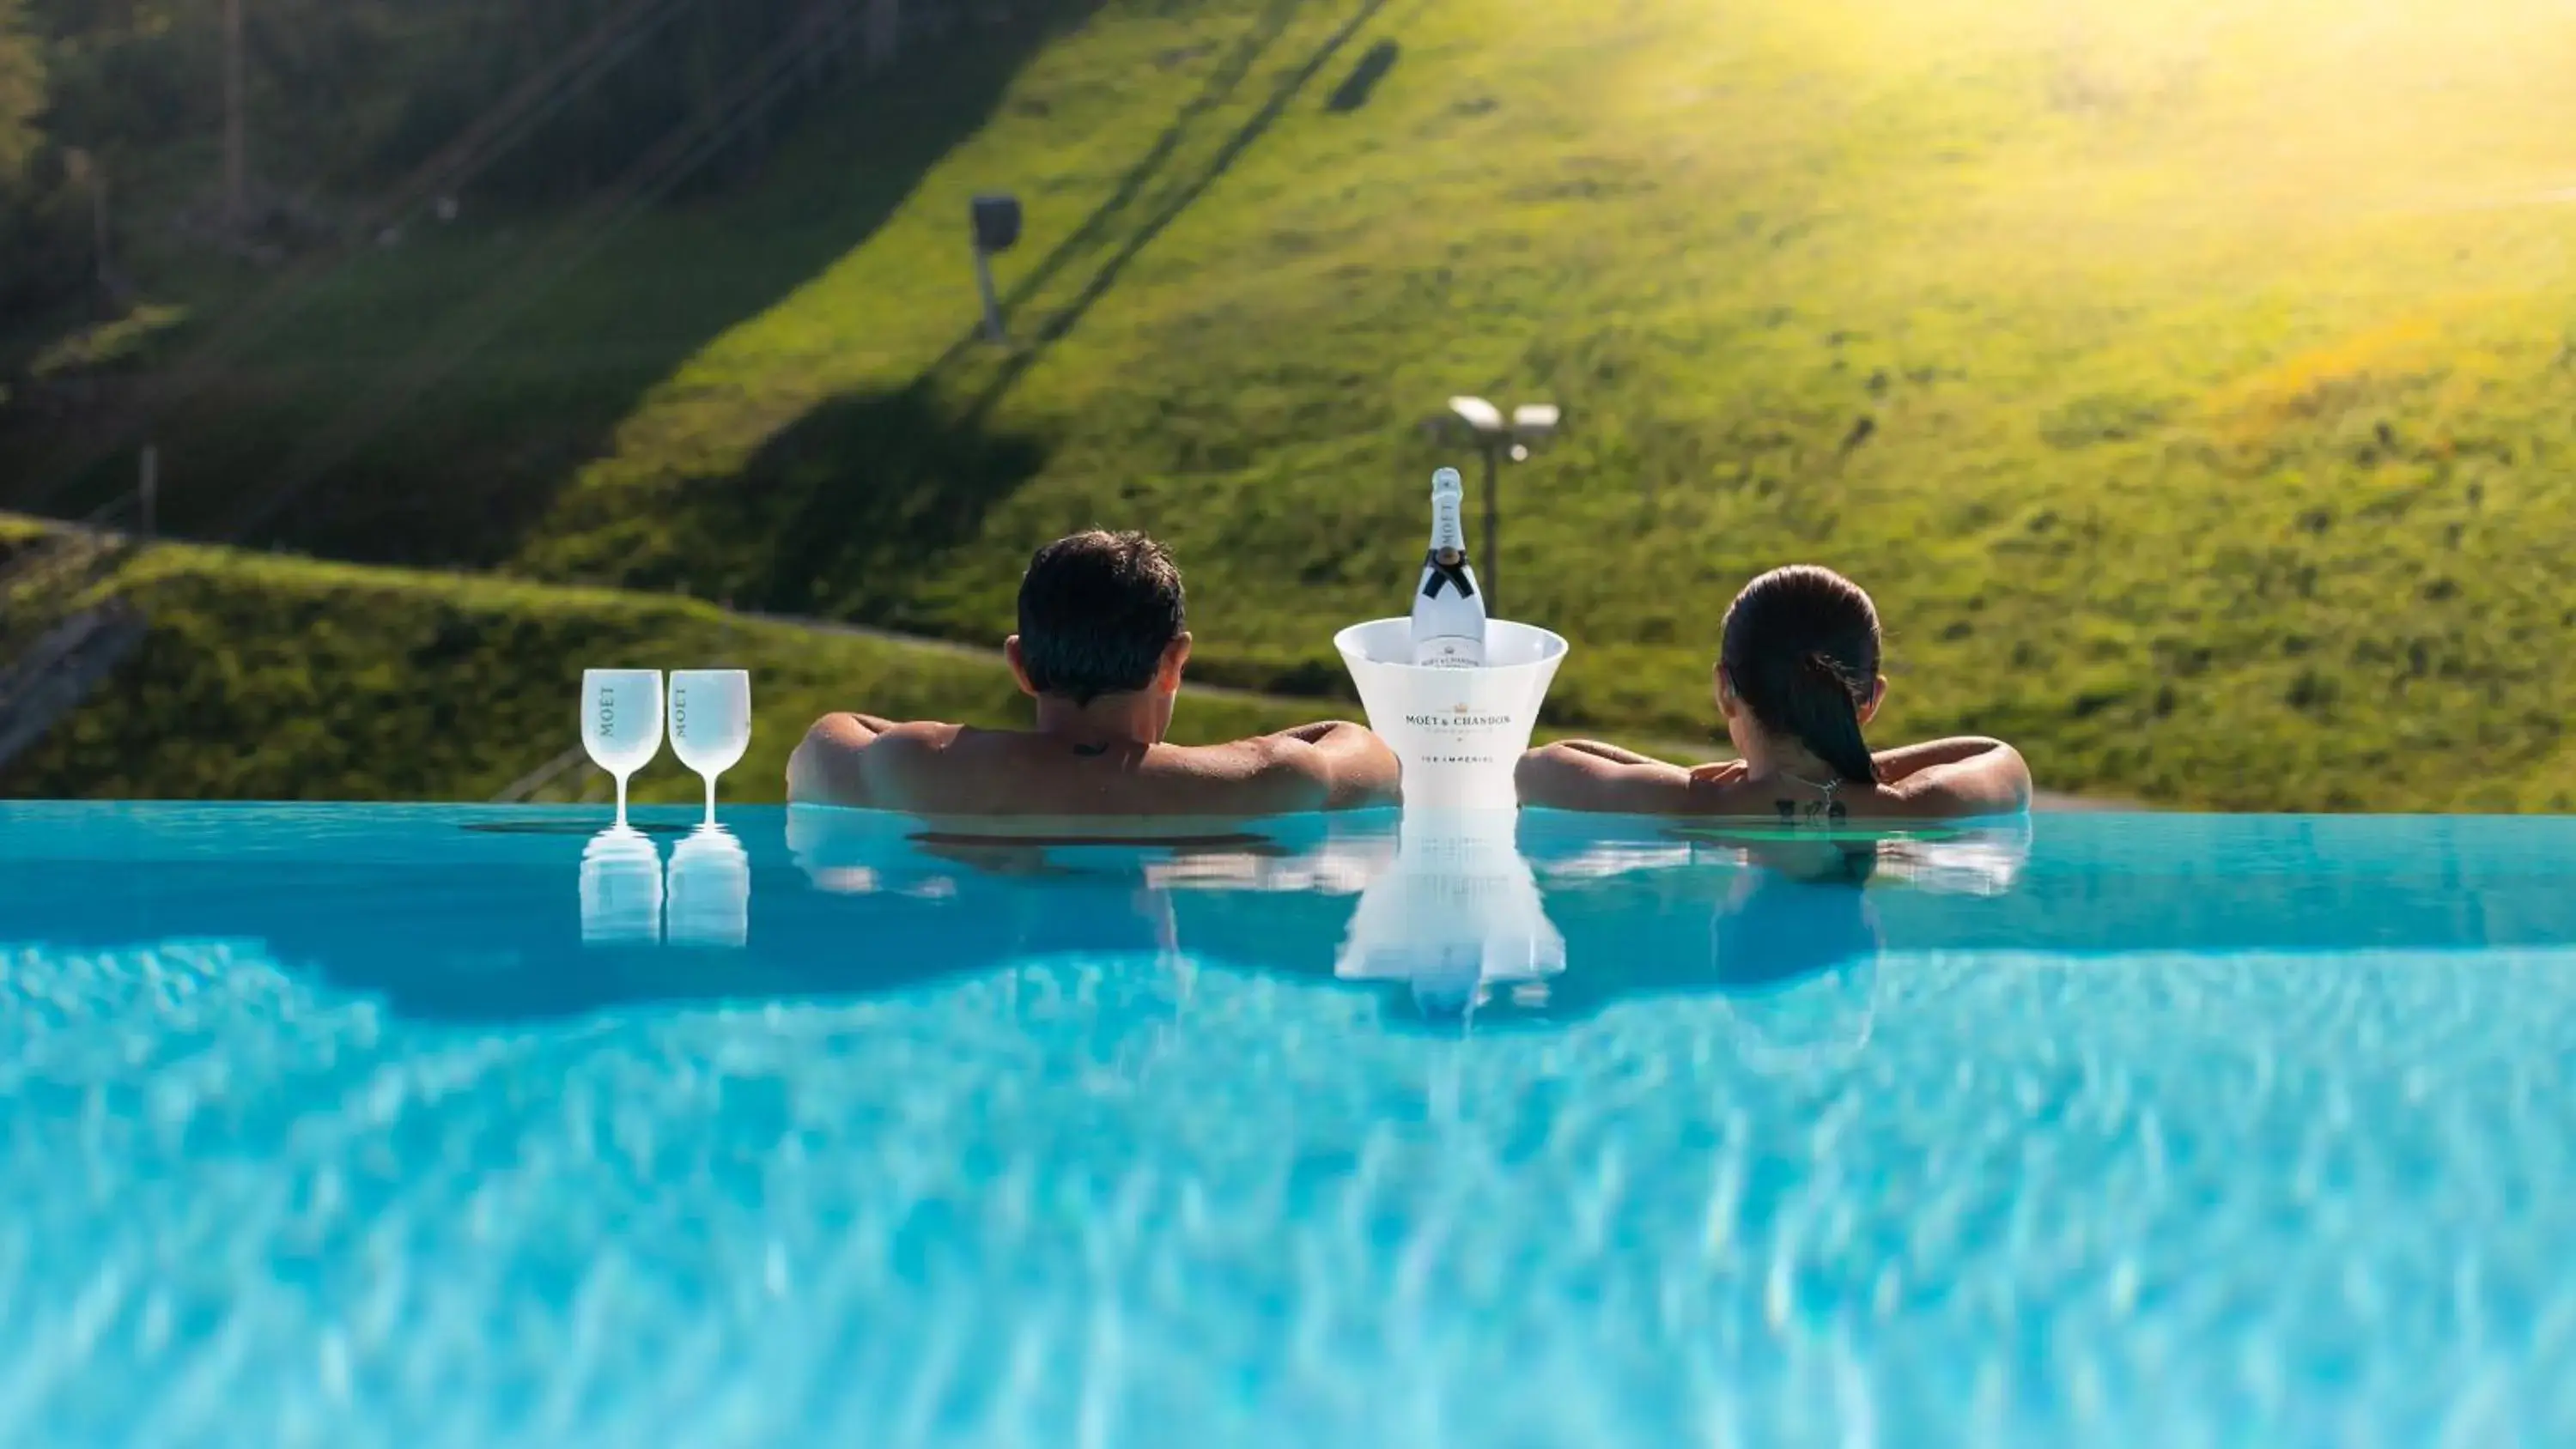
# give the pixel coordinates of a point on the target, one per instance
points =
(352, 1126)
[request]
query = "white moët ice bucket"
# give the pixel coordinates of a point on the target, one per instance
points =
(1458, 732)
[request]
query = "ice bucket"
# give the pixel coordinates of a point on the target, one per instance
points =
(1458, 732)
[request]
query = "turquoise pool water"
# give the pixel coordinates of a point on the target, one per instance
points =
(363, 1126)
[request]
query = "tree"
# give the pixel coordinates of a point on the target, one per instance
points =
(22, 94)
(39, 254)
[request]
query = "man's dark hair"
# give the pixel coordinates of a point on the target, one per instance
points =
(1097, 610)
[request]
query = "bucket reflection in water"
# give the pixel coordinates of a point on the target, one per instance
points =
(1457, 916)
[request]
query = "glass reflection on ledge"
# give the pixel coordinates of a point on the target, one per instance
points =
(709, 890)
(701, 898)
(621, 888)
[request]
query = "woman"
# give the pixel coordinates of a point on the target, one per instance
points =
(1797, 679)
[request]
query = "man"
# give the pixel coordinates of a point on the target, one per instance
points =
(1101, 645)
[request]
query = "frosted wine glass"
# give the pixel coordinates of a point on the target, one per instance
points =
(710, 722)
(621, 722)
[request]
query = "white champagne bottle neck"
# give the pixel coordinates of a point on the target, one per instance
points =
(1448, 505)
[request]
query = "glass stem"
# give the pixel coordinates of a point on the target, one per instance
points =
(621, 799)
(711, 799)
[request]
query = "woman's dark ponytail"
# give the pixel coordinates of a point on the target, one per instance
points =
(1824, 714)
(1802, 647)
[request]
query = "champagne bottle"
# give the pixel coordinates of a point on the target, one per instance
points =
(1448, 608)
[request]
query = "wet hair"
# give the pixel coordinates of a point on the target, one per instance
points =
(1097, 610)
(1801, 647)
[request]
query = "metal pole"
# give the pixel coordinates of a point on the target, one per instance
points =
(882, 33)
(992, 300)
(98, 234)
(235, 167)
(1493, 525)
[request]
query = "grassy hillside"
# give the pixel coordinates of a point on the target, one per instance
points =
(271, 678)
(2194, 383)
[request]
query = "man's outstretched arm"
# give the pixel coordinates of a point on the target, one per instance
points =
(830, 765)
(1357, 768)
(1331, 765)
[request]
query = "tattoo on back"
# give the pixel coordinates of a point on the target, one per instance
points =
(1832, 811)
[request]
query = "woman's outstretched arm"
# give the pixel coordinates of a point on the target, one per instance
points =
(1968, 775)
(1589, 775)
(1962, 776)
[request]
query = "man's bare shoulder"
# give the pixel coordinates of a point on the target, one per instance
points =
(849, 733)
(942, 768)
(945, 769)
(924, 739)
(1231, 759)
(1034, 774)
(1265, 775)
(845, 758)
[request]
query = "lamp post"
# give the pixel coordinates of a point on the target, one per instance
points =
(996, 220)
(236, 164)
(83, 170)
(1483, 424)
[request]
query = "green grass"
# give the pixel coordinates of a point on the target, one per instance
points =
(274, 678)
(107, 346)
(2194, 384)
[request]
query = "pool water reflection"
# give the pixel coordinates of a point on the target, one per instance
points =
(419, 1126)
